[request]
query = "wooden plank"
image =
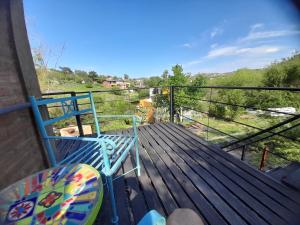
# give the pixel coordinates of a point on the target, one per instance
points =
(165, 196)
(168, 176)
(104, 216)
(67, 147)
(280, 188)
(243, 190)
(230, 199)
(136, 198)
(205, 209)
(163, 192)
(151, 196)
(123, 209)
(288, 193)
(216, 200)
(122, 203)
(263, 193)
(61, 145)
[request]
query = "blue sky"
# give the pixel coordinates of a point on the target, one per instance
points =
(142, 38)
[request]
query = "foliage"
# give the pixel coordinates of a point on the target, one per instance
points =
(217, 110)
(93, 75)
(66, 70)
(285, 73)
(198, 81)
(239, 78)
(153, 81)
(178, 78)
(165, 75)
(234, 98)
(116, 91)
(89, 85)
(143, 93)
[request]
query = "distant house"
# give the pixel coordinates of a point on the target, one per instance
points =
(139, 83)
(116, 83)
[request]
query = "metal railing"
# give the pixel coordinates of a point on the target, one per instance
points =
(179, 104)
(179, 99)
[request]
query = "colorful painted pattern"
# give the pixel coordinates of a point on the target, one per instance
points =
(69, 195)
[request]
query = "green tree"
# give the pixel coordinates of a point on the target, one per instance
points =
(178, 78)
(292, 78)
(93, 75)
(65, 70)
(81, 73)
(274, 76)
(126, 76)
(165, 75)
(153, 81)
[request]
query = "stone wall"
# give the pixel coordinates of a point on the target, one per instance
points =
(21, 152)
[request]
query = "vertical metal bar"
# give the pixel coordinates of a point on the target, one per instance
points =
(243, 153)
(137, 159)
(180, 116)
(78, 120)
(95, 114)
(208, 114)
(264, 157)
(171, 104)
(115, 218)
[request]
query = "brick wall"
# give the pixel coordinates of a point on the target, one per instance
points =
(21, 152)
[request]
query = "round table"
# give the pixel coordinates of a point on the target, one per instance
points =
(69, 194)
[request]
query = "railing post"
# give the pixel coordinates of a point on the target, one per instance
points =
(78, 120)
(171, 104)
(264, 157)
(243, 153)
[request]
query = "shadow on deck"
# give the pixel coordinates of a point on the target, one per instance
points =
(178, 169)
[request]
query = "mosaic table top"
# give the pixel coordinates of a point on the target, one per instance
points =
(69, 194)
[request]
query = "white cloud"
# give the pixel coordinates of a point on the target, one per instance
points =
(194, 62)
(186, 45)
(235, 50)
(225, 51)
(256, 26)
(216, 31)
(256, 49)
(252, 36)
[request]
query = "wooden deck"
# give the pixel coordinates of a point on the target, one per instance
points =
(181, 170)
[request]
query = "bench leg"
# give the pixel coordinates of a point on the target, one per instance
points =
(115, 218)
(137, 157)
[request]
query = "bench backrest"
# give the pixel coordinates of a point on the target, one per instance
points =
(69, 108)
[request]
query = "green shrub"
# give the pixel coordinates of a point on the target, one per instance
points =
(117, 91)
(217, 110)
(143, 93)
(89, 85)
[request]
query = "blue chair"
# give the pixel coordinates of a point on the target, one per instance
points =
(104, 152)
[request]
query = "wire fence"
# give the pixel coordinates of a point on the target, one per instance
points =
(244, 120)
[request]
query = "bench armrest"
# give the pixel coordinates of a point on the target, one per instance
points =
(135, 119)
(92, 139)
(73, 138)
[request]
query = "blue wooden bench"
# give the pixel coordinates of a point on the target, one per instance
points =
(104, 152)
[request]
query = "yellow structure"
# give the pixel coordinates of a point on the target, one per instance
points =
(146, 107)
